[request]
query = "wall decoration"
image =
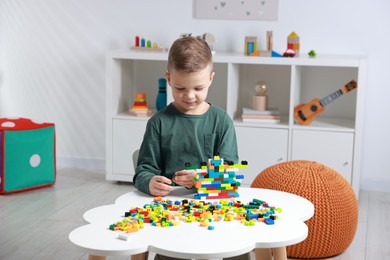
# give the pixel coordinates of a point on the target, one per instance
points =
(236, 9)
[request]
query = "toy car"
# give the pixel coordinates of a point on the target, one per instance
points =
(289, 53)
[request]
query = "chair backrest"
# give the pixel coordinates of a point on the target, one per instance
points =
(135, 158)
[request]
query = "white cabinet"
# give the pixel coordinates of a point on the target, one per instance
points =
(333, 138)
(333, 149)
(126, 138)
(261, 147)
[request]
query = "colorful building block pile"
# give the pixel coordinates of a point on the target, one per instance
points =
(167, 213)
(218, 179)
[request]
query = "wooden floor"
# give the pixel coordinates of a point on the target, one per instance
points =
(35, 224)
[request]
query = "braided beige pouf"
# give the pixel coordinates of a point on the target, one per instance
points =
(333, 226)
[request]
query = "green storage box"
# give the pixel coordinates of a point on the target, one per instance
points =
(27, 155)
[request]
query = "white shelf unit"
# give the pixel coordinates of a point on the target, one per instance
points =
(334, 138)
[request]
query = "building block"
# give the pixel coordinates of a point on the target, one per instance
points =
(123, 236)
(293, 45)
(27, 155)
(276, 55)
(250, 45)
(220, 180)
(161, 215)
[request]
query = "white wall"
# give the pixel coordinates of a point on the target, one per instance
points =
(52, 60)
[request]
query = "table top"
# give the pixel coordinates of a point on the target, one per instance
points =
(189, 240)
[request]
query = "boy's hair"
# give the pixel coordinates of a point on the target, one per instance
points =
(189, 54)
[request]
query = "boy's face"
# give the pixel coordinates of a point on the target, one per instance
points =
(189, 90)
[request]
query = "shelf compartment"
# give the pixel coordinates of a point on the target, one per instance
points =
(218, 90)
(319, 82)
(134, 76)
(330, 124)
(278, 79)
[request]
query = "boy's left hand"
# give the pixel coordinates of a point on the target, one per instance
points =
(185, 178)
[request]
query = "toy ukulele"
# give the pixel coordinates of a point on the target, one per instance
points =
(304, 114)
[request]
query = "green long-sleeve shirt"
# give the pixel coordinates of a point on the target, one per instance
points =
(172, 139)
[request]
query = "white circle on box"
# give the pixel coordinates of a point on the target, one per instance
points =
(35, 160)
(8, 124)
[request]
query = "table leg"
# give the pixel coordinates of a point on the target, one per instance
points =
(142, 256)
(96, 257)
(263, 254)
(280, 253)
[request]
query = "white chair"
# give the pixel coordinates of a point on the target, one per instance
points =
(135, 159)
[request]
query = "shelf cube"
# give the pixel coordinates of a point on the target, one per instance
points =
(27, 155)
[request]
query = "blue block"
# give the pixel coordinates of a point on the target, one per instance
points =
(233, 193)
(276, 55)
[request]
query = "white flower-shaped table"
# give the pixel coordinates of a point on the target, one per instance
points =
(189, 240)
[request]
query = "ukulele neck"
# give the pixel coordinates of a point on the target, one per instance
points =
(326, 100)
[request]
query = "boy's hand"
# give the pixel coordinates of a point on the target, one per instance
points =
(185, 178)
(160, 186)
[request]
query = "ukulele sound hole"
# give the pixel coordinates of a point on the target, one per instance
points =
(313, 108)
(301, 115)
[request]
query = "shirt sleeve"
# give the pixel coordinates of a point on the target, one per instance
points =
(149, 158)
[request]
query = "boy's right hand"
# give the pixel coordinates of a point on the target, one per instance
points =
(160, 186)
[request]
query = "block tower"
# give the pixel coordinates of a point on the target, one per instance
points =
(293, 43)
(218, 179)
(140, 107)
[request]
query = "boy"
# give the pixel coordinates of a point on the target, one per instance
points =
(187, 130)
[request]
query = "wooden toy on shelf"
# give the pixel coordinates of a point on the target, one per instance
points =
(140, 107)
(312, 53)
(270, 41)
(292, 45)
(141, 44)
(251, 46)
(161, 100)
(304, 114)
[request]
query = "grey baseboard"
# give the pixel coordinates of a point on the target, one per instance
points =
(83, 163)
(375, 185)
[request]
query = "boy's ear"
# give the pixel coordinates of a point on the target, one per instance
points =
(168, 77)
(212, 76)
